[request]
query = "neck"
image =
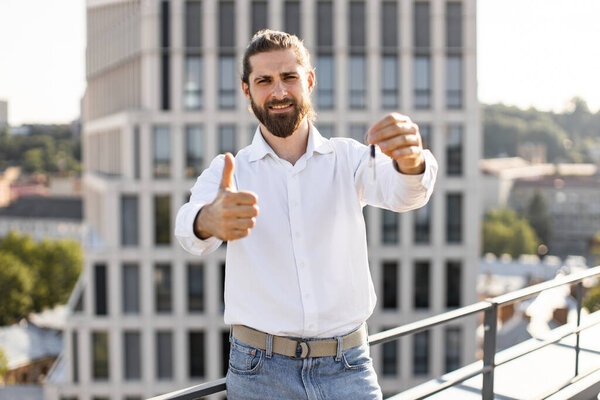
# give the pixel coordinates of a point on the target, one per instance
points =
(292, 147)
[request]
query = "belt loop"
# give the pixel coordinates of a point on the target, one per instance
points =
(340, 346)
(269, 345)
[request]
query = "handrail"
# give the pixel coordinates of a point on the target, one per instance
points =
(488, 306)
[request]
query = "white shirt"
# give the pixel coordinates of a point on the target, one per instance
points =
(303, 269)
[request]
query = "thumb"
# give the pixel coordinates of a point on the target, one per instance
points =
(227, 179)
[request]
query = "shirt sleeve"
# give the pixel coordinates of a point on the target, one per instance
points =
(204, 191)
(391, 189)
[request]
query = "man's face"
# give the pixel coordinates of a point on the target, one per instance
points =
(279, 91)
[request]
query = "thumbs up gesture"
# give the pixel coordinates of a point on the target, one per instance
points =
(231, 214)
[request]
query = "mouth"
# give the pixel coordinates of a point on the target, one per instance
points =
(278, 108)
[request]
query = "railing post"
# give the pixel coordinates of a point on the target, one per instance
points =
(579, 295)
(490, 325)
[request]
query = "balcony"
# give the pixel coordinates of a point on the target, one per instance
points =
(565, 364)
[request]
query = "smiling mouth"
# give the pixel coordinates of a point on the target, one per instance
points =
(280, 107)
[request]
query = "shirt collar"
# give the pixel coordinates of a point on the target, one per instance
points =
(259, 147)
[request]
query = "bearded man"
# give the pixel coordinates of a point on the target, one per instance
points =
(297, 284)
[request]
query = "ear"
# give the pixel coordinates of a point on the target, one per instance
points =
(311, 80)
(246, 90)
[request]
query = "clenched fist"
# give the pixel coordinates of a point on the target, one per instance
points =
(231, 214)
(399, 138)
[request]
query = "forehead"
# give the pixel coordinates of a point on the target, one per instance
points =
(274, 62)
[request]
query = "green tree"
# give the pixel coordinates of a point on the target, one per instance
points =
(33, 161)
(3, 362)
(592, 300)
(538, 216)
(505, 232)
(15, 286)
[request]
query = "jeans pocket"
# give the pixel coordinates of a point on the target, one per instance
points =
(243, 359)
(357, 358)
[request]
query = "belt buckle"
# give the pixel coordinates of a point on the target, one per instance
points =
(302, 347)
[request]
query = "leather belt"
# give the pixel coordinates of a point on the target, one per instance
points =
(299, 348)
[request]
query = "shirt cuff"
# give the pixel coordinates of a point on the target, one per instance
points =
(184, 231)
(427, 178)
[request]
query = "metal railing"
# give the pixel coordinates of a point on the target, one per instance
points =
(490, 309)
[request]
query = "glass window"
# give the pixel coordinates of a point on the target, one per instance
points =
(196, 354)
(421, 353)
(454, 218)
(356, 25)
(422, 30)
(423, 224)
(194, 150)
(227, 25)
(162, 219)
(292, 21)
(75, 356)
(389, 82)
(132, 353)
(161, 150)
(453, 348)
(389, 227)
(421, 279)
(327, 130)
(163, 288)
(453, 286)
(227, 82)
(390, 285)
(358, 132)
(164, 60)
(101, 289)
(136, 152)
(193, 24)
(357, 81)
(425, 131)
(422, 82)
(260, 15)
(390, 358)
(131, 289)
(100, 362)
(194, 82)
(454, 82)
(195, 287)
(454, 25)
(129, 220)
(389, 26)
(324, 25)
(227, 139)
(164, 355)
(326, 81)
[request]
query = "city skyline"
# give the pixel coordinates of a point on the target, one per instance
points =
(530, 64)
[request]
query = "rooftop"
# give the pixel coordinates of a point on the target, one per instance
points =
(49, 207)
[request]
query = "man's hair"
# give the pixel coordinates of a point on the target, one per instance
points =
(270, 40)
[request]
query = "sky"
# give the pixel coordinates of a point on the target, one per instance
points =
(538, 53)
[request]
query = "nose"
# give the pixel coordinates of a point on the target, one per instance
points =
(279, 91)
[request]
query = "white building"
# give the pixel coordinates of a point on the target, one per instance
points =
(163, 98)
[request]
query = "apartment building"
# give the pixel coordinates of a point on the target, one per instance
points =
(163, 98)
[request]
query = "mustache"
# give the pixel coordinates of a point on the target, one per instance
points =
(287, 100)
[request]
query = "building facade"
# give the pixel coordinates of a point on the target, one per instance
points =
(163, 98)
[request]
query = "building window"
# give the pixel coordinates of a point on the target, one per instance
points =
(75, 356)
(389, 61)
(454, 25)
(324, 18)
(327, 130)
(194, 150)
(454, 64)
(100, 355)
(423, 224)
(292, 17)
(227, 139)
(162, 219)
(453, 283)
(131, 289)
(165, 27)
(227, 82)
(260, 13)
(358, 132)
(389, 82)
(195, 285)
(357, 81)
(227, 25)
(422, 80)
(390, 358)
(356, 26)
(163, 288)
(164, 355)
(389, 227)
(161, 150)
(389, 26)
(454, 82)
(137, 162)
(227, 76)
(100, 292)
(129, 220)
(194, 68)
(425, 131)
(326, 79)
(422, 26)
(196, 354)
(454, 218)
(421, 353)
(390, 285)
(421, 279)
(453, 348)
(454, 144)
(132, 353)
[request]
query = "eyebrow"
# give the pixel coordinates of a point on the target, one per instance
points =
(283, 74)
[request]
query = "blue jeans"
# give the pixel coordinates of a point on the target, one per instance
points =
(256, 374)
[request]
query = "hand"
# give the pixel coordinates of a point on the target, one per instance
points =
(399, 138)
(231, 214)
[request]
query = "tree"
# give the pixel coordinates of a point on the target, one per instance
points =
(592, 300)
(538, 216)
(3, 363)
(15, 286)
(505, 232)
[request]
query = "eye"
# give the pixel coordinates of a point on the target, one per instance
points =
(291, 77)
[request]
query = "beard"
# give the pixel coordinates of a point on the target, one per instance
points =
(281, 124)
